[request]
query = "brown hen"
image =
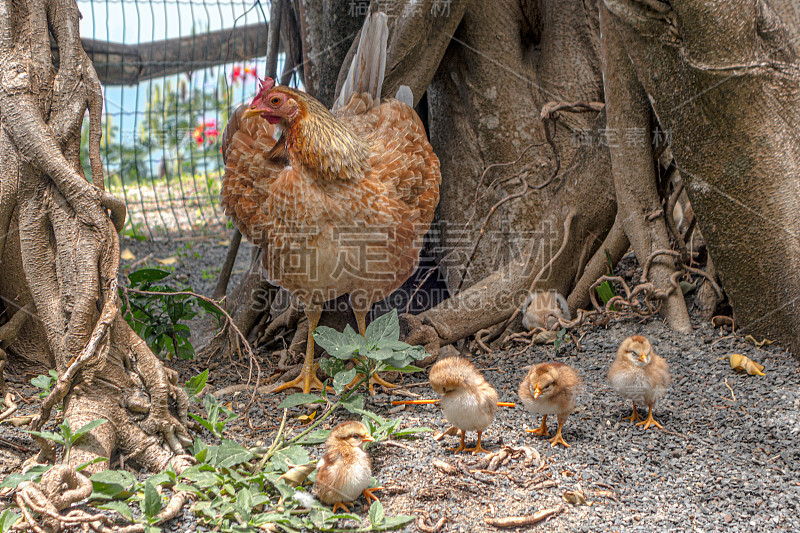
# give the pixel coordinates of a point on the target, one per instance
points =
(340, 202)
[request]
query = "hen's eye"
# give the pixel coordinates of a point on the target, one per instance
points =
(275, 100)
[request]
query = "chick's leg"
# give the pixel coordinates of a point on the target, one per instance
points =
(634, 416)
(307, 379)
(649, 421)
(368, 493)
(558, 439)
(541, 430)
(461, 446)
(478, 448)
(361, 318)
(342, 505)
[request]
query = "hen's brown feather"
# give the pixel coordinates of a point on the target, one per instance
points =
(327, 237)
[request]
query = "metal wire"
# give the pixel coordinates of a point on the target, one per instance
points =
(161, 137)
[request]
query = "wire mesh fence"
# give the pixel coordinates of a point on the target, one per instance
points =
(172, 72)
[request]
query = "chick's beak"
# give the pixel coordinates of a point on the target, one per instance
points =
(368, 438)
(642, 357)
(536, 392)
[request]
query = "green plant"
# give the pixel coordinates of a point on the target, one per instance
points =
(45, 382)
(66, 436)
(379, 350)
(159, 319)
(217, 416)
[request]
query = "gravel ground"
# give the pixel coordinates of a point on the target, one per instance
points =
(726, 460)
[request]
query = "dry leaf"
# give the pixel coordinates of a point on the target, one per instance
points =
(295, 476)
(765, 342)
(171, 260)
(307, 418)
(452, 430)
(741, 363)
(127, 255)
(445, 468)
(545, 337)
(575, 497)
(226, 242)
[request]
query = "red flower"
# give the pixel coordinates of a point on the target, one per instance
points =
(236, 75)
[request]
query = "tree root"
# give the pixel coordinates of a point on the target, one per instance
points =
(613, 248)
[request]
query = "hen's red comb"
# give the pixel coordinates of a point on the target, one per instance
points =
(263, 86)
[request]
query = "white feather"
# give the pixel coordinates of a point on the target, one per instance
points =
(369, 63)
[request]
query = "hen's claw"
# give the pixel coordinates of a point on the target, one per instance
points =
(307, 381)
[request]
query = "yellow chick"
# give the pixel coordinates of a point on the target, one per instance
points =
(641, 376)
(345, 470)
(468, 401)
(550, 389)
(541, 309)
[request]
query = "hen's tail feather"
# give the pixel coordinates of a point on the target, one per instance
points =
(405, 95)
(369, 63)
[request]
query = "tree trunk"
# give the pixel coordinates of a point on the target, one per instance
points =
(722, 79)
(60, 252)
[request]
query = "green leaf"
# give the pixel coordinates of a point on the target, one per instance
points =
(147, 275)
(381, 354)
(332, 366)
(559, 339)
(354, 403)
(376, 515)
(384, 328)
(7, 519)
(606, 291)
(47, 435)
(339, 345)
(293, 455)
(299, 398)
(120, 507)
(392, 522)
(397, 346)
(34, 474)
(42, 381)
(112, 484)
(228, 454)
(88, 463)
(151, 504)
(343, 379)
(196, 384)
(209, 307)
(411, 431)
(86, 428)
(407, 369)
(316, 437)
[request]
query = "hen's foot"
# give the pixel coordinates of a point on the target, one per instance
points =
(306, 381)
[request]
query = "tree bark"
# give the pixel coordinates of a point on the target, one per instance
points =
(722, 79)
(60, 253)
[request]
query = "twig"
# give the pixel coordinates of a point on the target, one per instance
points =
(529, 520)
(733, 395)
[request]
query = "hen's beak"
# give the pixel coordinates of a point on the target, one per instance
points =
(643, 357)
(536, 392)
(250, 112)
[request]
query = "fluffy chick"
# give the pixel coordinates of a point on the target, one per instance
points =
(550, 389)
(345, 470)
(641, 376)
(542, 308)
(468, 401)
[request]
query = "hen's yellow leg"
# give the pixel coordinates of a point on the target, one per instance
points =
(649, 421)
(541, 430)
(478, 448)
(461, 446)
(307, 380)
(634, 416)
